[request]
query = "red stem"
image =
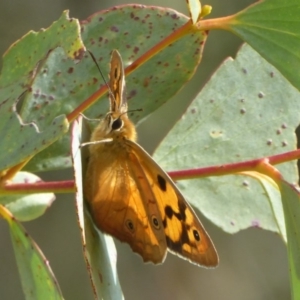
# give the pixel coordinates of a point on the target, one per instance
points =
(67, 186)
(250, 165)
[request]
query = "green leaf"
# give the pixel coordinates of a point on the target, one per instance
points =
(99, 249)
(290, 201)
(25, 54)
(21, 141)
(101, 255)
(23, 137)
(30, 206)
(37, 279)
(271, 27)
(133, 30)
(247, 110)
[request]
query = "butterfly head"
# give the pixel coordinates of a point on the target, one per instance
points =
(117, 125)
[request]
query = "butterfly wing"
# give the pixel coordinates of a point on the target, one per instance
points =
(185, 235)
(123, 205)
(117, 95)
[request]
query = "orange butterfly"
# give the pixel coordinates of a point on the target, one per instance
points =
(131, 198)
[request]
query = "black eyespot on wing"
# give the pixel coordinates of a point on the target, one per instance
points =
(162, 183)
(130, 226)
(155, 222)
(196, 235)
(116, 124)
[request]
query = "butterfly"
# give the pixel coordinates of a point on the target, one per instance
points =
(131, 198)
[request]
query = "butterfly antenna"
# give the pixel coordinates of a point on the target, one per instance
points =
(133, 110)
(95, 61)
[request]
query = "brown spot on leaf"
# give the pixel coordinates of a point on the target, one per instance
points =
(114, 28)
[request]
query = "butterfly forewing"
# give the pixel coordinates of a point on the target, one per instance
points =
(184, 233)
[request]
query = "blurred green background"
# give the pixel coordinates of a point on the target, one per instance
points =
(253, 263)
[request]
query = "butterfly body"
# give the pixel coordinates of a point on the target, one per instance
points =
(131, 197)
